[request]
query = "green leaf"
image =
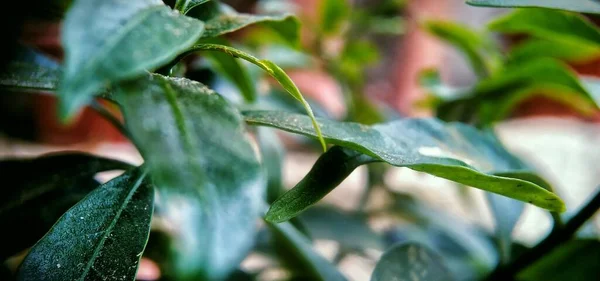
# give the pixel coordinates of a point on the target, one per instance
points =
(38, 191)
(273, 70)
(552, 25)
(184, 6)
(453, 151)
(210, 183)
(582, 6)
(410, 261)
(101, 238)
(333, 14)
(563, 50)
(300, 247)
(479, 51)
(30, 71)
(221, 19)
(326, 174)
(350, 230)
(493, 99)
(574, 260)
(114, 40)
(234, 71)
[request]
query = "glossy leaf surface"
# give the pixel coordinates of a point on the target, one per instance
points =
(113, 40)
(453, 151)
(410, 262)
(101, 238)
(37, 191)
(208, 176)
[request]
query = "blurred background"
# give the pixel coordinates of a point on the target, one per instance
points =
(371, 61)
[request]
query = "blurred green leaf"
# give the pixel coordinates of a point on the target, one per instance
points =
(101, 237)
(184, 6)
(350, 230)
(583, 6)
(493, 99)
(114, 40)
(410, 262)
(470, 254)
(273, 153)
(221, 19)
(38, 191)
(506, 213)
(300, 247)
(326, 174)
(556, 26)
(274, 71)
(480, 52)
(30, 71)
(332, 15)
(210, 183)
(453, 151)
(574, 260)
(431, 81)
(563, 50)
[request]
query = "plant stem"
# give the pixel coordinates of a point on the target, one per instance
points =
(110, 118)
(553, 240)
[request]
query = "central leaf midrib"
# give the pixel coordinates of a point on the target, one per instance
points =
(112, 225)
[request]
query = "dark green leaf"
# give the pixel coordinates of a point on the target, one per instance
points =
(575, 260)
(184, 6)
(583, 6)
(350, 230)
(101, 238)
(36, 192)
(209, 179)
(113, 40)
(552, 25)
(479, 51)
(410, 262)
(30, 71)
(327, 173)
(221, 19)
(333, 14)
(452, 151)
(300, 247)
(274, 71)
